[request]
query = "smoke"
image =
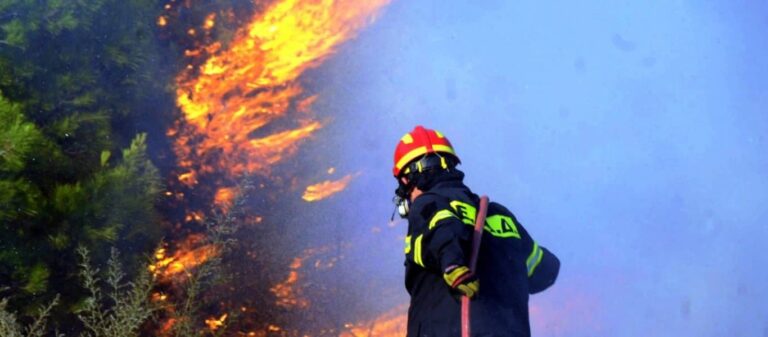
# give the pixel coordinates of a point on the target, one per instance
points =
(629, 138)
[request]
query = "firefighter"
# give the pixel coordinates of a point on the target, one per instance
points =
(441, 213)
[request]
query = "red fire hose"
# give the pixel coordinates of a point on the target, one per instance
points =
(478, 234)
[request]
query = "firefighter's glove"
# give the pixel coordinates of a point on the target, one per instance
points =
(462, 279)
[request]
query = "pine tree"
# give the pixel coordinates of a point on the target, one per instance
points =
(82, 85)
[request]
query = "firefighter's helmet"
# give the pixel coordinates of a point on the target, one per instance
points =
(418, 143)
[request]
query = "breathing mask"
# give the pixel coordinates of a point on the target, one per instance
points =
(402, 200)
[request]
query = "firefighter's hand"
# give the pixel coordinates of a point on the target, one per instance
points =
(462, 279)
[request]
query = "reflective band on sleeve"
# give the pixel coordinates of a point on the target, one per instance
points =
(534, 259)
(440, 215)
(407, 244)
(417, 250)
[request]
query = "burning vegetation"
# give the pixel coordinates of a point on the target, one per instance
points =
(243, 110)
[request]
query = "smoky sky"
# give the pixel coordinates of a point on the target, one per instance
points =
(629, 137)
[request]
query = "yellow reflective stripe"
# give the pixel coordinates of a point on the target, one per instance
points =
(417, 251)
(464, 211)
(534, 259)
(443, 148)
(407, 244)
(501, 226)
(440, 215)
(411, 156)
(407, 139)
(421, 151)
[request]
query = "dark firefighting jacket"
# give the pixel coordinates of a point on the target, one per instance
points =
(510, 265)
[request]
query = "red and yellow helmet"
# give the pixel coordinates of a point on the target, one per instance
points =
(417, 143)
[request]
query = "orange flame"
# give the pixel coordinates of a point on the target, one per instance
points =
(189, 254)
(210, 21)
(289, 293)
(214, 323)
(224, 197)
(390, 324)
(326, 188)
(244, 110)
(255, 83)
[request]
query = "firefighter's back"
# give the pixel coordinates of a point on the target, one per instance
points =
(501, 306)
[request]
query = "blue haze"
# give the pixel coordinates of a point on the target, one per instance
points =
(628, 136)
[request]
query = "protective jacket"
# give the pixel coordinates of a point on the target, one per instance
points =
(510, 266)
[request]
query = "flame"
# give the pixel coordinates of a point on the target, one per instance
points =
(575, 310)
(159, 297)
(210, 21)
(224, 197)
(254, 83)
(244, 110)
(289, 293)
(326, 188)
(214, 323)
(390, 324)
(189, 254)
(162, 21)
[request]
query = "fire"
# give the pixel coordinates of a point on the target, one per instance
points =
(391, 324)
(224, 197)
(326, 188)
(289, 293)
(244, 110)
(188, 178)
(215, 323)
(254, 83)
(210, 21)
(189, 254)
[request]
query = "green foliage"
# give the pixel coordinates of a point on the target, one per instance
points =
(10, 327)
(220, 231)
(117, 305)
(37, 280)
(86, 61)
(120, 309)
(14, 33)
(76, 77)
(115, 205)
(18, 137)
